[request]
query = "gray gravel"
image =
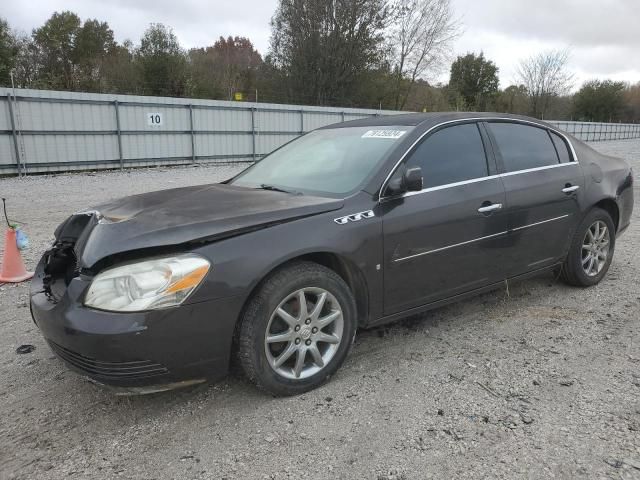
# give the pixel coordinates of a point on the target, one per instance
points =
(538, 383)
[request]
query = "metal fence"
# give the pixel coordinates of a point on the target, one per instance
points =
(49, 131)
(596, 132)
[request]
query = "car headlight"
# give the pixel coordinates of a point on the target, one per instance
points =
(147, 285)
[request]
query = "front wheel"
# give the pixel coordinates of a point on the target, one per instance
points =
(297, 329)
(591, 250)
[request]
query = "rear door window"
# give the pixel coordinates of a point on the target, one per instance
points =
(523, 146)
(561, 147)
(450, 155)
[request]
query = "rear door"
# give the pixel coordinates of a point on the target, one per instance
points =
(543, 184)
(445, 239)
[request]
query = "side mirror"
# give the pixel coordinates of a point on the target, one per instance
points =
(409, 181)
(412, 179)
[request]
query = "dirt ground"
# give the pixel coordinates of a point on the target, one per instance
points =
(539, 382)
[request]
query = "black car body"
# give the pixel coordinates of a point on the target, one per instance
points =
(400, 248)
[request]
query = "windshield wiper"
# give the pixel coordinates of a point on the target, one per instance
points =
(273, 188)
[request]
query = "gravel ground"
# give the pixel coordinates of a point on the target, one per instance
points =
(542, 382)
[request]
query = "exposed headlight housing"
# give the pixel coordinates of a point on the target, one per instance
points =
(147, 285)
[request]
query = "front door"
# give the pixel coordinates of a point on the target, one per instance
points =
(448, 238)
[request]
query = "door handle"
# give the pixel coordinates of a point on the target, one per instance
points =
(490, 208)
(570, 189)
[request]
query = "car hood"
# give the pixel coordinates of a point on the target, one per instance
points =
(183, 215)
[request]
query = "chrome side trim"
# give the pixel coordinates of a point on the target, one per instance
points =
(448, 247)
(476, 180)
(475, 119)
(402, 259)
(540, 223)
(442, 187)
(537, 169)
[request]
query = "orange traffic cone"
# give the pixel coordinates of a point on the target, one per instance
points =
(12, 269)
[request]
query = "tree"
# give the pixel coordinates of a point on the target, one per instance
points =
(632, 104)
(599, 101)
(162, 62)
(8, 53)
(324, 47)
(93, 43)
(513, 99)
(475, 79)
(229, 66)
(29, 61)
(119, 71)
(545, 76)
(428, 98)
(420, 40)
(55, 41)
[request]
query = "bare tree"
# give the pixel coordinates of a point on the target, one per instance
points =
(420, 39)
(545, 76)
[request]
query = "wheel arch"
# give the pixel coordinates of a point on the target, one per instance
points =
(610, 206)
(346, 269)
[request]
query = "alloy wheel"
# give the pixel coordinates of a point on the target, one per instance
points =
(595, 248)
(304, 333)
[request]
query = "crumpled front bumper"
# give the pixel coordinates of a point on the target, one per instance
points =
(136, 352)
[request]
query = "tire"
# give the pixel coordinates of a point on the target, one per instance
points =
(574, 268)
(322, 337)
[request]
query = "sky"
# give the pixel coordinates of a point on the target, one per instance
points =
(603, 35)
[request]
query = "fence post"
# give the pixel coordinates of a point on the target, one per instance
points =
(15, 135)
(193, 140)
(343, 116)
(253, 133)
(119, 133)
(301, 121)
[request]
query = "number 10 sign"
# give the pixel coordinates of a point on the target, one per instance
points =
(154, 119)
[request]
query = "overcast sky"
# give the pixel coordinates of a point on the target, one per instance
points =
(603, 35)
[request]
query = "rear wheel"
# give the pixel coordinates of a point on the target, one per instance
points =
(591, 250)
(297, 329)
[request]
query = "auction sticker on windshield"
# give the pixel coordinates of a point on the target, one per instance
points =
(391, 134)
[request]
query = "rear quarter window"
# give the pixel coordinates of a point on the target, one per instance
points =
(561, 147)
(523, 147)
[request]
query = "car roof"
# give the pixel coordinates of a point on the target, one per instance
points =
(427, 119)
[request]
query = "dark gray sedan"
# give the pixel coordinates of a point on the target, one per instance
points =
(349, 226)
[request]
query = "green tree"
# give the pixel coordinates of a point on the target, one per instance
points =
(632, 104)
(8, 53)
(599, 101)
(475, 79)
(119, 71)
(230, 65)
(162, 62)
(513, 99)
(55, 41)
(324, 48)
(93, 44)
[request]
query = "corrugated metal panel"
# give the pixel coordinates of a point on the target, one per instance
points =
(278, 121)
(68, 148)
(156, 146)
(226, 120)
(5, 119)
(216, 145)
(136, 118)
(7, 152)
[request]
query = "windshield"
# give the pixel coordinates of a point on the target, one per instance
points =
(332, 161)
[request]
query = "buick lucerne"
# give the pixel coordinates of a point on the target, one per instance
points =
(349, 226)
